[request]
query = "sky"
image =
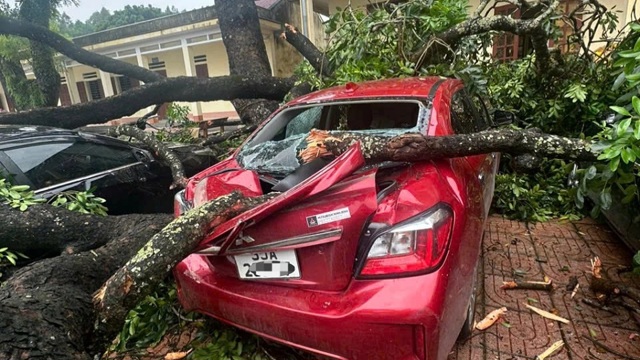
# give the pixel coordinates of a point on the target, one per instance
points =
(88, 7)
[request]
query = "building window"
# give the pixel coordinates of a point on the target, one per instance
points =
(507, 46)
(156, 64)
(95, 90)
(202, 70)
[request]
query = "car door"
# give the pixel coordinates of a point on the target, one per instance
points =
(489, 167)
(71, 163)
(466, 118)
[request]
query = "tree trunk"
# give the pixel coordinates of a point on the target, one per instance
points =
(171, 89)
(43, 35)
(45, 307)
(40, 12)
(240, 27)
(44, 230)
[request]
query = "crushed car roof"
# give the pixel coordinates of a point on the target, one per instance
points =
(17, 131)
(405, 87)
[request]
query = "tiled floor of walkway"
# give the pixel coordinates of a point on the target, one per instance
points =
(558, 250)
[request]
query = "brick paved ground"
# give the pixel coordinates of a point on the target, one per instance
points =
(559, 250)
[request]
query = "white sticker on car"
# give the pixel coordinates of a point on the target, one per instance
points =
(328, 217)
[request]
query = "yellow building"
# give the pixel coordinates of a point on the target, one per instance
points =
(184, 44)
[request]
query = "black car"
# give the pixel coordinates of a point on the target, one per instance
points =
(52, 160)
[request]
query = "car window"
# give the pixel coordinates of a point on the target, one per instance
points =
(304, 122)
(54, 163)
(483, 115)
(462, 119)
(275, 148)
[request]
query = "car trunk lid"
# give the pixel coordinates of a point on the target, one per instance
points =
(321, 219)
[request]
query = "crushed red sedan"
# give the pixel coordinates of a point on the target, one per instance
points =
(350, 261)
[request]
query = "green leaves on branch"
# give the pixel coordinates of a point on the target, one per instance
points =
(17, 196)
(388, 41)
(84, 202)
(20, 197)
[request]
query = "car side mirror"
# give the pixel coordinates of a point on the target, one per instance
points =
(503, 117)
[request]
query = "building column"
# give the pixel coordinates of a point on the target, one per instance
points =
(139, 57)
(196, 107)
(71, 84)
(141, 64)
(107, 86)
(306, 17)
(3, 99)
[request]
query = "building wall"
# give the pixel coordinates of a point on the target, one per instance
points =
(287, 57)
(168, 40)
(334, 4)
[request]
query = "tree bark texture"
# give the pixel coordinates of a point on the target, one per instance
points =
(139, 276)
(171, 89)
(44, 230)
(161, 150)
(39, 12)
(416, 147)
(240, 27)
(43, 35)
(45, 307)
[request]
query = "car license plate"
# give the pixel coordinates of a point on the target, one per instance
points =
(281, 264)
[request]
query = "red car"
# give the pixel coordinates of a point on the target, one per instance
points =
(350, 261)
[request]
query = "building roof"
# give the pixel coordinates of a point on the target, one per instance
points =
(266, 4)
(167, 22)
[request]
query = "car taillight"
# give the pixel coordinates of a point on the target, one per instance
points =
(416, 245)
(181, 204)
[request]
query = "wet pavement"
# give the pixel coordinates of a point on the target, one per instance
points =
(558, 250)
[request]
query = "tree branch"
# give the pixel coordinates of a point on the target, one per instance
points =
(212, 140)
(477, 25)
(171, 89)
(307, 49)
(161, 150)
(416, 147)
(30, 31)
(155, 260)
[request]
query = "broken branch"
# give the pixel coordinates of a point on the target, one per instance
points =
(546, 285)
(491, 318)
(155, 260)
(162, 151)
(547, 314)
(417, 147)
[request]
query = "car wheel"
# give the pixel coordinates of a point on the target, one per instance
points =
(469, 323)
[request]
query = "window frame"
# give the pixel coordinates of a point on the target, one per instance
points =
(10, 165)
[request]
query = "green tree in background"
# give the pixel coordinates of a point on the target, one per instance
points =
(105, 19)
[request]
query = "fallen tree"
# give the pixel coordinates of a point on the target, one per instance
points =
(46, 309)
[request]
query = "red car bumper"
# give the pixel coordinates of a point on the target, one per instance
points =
(372, 319)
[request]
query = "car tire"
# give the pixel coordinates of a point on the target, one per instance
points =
(469, 323)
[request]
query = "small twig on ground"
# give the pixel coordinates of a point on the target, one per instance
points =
(597, 305)
(546, 285)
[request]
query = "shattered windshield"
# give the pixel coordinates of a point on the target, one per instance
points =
(274, 149)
